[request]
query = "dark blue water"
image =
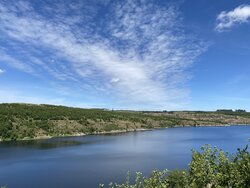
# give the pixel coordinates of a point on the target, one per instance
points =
(86, 161)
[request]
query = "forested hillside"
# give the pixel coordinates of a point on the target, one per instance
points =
(25, 121)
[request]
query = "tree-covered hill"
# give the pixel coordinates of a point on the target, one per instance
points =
(25, 121)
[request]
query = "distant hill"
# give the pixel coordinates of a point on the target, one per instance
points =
(28, 121)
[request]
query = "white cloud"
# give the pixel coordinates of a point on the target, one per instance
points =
(2, 71)
(226, 20)
(140, 47)
(115, 80)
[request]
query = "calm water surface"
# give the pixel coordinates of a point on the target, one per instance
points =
(86, 161)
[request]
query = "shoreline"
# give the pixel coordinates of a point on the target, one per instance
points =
(47, 137)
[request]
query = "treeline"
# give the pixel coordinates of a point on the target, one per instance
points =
(232, 111)
(237, 112)
(209, 168)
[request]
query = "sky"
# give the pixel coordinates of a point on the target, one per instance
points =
(138, 55)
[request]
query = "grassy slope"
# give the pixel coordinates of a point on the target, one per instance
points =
(19, 121)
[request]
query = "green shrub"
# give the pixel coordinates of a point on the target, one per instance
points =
(208, 168)
(177, 178)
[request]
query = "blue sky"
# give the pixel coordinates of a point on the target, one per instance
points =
(150, 55)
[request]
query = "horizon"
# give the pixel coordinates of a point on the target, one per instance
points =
(126, 55)
(131, 110)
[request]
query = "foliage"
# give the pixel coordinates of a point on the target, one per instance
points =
(208, 168)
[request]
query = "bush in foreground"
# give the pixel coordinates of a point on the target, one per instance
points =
(208, 168)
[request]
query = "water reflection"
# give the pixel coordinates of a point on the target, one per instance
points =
(42, 144)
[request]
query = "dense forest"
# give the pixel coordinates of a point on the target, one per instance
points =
(26, 121)
(209, 168)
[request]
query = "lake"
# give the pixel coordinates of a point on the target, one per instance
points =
(87, 161)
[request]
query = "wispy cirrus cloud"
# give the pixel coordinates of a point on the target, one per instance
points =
(136, 51)
(13, 62)
(227, 20)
